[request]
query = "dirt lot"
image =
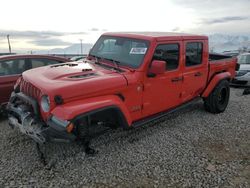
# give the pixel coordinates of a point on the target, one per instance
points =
(191, 148)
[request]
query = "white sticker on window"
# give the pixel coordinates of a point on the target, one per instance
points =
(138, 50)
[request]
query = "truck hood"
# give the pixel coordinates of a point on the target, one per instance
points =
(72, 80)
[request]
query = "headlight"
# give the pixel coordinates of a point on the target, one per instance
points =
(45, 104)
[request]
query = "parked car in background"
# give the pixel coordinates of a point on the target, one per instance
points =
(233, 53)
(242, 78)
(12, 66)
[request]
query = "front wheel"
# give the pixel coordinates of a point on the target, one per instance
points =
(217, 100)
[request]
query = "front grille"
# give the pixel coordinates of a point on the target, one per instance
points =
(28, 89)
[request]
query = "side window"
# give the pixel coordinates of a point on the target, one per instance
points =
(193, 53)
(169, 53)
(42, 62)
(12, 67)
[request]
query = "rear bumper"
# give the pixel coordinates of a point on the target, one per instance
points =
(30, 124)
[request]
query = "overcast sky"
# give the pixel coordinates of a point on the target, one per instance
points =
(46, 24)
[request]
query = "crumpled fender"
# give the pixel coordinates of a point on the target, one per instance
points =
(73, 109)
(215, 80)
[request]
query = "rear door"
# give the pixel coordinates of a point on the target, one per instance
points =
(10, 70)
(163, 92)
(195, 68)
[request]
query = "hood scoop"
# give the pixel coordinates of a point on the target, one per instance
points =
(87, 69)
(84, 75)
(64, 64)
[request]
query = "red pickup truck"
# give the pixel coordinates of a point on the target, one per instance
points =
(127, 80)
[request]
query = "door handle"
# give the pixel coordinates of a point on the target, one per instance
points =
(177, 79)
(197, 74)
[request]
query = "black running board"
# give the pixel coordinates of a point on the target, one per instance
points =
(164, 113)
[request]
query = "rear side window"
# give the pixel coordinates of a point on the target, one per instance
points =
(244, 59)
(12, 67)
(194, 53)
(168, 53)
(42, 62)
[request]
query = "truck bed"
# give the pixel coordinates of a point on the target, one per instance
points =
(221, 63)
(215, 56)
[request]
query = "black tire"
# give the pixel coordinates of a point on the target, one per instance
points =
(246, 91)
(82, 129)
(218, 99)
(83, 135)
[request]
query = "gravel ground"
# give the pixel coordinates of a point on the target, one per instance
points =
(191, 148)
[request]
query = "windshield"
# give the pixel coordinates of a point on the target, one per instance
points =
(244, 59)
(126, 51)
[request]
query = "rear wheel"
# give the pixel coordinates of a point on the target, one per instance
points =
(246, 91)
(218, 99)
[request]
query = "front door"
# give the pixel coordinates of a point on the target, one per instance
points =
(163, 92)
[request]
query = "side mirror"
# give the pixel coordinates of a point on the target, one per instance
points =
(157, 67)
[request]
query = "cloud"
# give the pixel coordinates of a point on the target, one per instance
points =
(50, 42)
(37, 34)
(176, 29)
(94, 29)
(222, 16)
(208, 4)
(38, 38)
(224, 19)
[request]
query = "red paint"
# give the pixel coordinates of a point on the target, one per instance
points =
(157, 67)
(215, 80)
(69, 110)
(143, 95)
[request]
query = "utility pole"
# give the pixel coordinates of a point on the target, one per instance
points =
(81, 45)
(8, 38)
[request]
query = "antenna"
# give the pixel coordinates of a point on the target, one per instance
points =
(8, 38)
(81, 45)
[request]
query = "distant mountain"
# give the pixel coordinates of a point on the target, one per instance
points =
(221, 42)
(73, 49)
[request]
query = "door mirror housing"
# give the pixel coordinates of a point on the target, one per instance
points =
(157, 67)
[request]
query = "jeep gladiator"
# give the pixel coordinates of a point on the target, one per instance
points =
(127, 79)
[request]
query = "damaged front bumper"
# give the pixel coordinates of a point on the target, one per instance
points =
(22, 114)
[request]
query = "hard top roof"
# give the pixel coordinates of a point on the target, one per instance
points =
(157, 35)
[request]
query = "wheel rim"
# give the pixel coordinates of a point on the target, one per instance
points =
(222, 96)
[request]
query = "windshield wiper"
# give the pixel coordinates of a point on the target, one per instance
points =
(115, 62)
(97, 58)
